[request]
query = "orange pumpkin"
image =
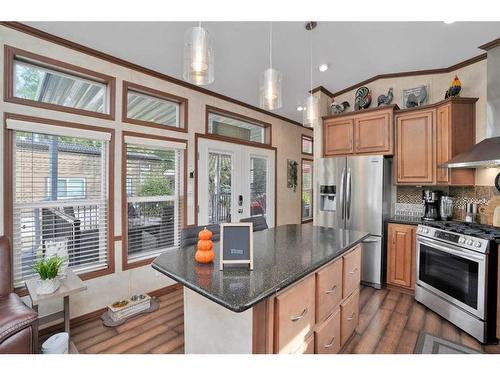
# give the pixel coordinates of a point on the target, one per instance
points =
(205, 234)
(204, 256)
(205, 245)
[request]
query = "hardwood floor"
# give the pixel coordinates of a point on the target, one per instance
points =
(389, 322)
(159, 332)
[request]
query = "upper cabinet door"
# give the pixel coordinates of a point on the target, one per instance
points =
(373, 133)
(415, 147)
(443, 145)
(338, 137)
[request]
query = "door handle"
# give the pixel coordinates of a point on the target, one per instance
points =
(353, 271)
(373, 240)
(297, 318)
(348, 194)
(330, 344)
(351, 317)
(331, 290)
(240, 200)
(342, 187)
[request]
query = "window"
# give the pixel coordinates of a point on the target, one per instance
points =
(60, 194)
(231, 125)
(307, 145)
(307, 192)
(154, 183)
(149, 107)
(258, 186)
(43, 82)
(67, 188)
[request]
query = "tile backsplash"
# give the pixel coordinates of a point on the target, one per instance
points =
(486, 197)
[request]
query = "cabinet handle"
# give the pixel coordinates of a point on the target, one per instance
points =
(297, 318)
(331, 290)
(351, 317)
(353, 271)
(330, 344)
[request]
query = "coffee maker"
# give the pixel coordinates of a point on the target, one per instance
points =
(431, 199)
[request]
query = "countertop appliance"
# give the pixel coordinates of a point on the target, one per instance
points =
(446, 208)
(431, 200)
(456, 274)
(354, 193)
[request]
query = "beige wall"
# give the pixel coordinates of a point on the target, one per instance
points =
(473, 78)
(285, 136)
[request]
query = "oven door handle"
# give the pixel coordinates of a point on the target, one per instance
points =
(451, 249)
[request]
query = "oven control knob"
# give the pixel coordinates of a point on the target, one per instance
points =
(425, 230)
(469, 242)
(461, 240)
(477, 244)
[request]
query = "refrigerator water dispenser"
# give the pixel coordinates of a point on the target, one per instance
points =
(327, 196)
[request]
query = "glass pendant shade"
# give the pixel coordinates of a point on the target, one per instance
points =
(311, 111)
(198, 56)
(270, 89)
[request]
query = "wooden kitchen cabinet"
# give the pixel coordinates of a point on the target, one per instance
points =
(428, 136)
(373, 133)
(369, 131)
(338, 136)
(401, 259)
(415, 147)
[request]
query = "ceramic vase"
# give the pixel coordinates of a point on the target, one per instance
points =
(48, 286)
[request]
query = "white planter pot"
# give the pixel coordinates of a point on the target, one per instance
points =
(48, 286)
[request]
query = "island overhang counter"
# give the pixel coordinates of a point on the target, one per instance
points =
(237, 310)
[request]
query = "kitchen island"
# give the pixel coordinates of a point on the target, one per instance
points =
(302, 276)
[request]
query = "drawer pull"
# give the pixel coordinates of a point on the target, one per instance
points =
(351, 317)
(353, 271)
(330, 344)
(331, 290)
(297, 318)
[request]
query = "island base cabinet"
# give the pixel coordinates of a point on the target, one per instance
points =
(307, 346)
(349, 316)
(327, 335)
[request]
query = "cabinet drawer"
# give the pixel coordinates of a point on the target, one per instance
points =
(328, 289)
(307, 346)
(294, 315)
(327, 336)
(349, 315)
(351, 272)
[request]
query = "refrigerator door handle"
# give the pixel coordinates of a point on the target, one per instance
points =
(341, 195)
(348, 194)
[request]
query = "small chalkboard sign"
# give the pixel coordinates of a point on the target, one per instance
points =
(236, 244)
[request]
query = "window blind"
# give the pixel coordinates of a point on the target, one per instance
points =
(154, 197)
(60, 201)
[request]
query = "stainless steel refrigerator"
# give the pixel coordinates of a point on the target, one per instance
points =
(354, 193)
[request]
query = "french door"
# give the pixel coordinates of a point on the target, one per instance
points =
(234, 182)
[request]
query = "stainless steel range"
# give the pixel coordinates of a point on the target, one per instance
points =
(455, 277)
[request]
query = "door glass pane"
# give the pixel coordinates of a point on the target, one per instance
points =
(258, 186)
(307, 170)
(219, 188)
(453, 275)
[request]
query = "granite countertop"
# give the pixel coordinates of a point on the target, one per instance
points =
(410, 220)
(282, 255)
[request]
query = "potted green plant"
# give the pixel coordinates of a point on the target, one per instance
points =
(48, 270)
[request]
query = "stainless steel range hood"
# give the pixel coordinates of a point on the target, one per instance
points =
(487, 152)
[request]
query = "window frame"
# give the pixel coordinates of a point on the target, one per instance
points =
(9, 188)
(310, 138)
(236, 116)
(10, 55)
(308, 219)
(126, 264)
(148, 91)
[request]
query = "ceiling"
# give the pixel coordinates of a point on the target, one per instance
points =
(354, 51)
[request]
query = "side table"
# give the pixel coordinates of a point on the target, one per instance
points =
(70, 285)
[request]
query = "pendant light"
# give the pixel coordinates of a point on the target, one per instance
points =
(310, 112)
(198, 56)
(270, 82)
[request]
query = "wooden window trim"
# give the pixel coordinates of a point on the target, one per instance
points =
(9, 193)
(236, 116)
(302, 147)
(126, 265)
(183, 102)
(302, 160)
(10, 53)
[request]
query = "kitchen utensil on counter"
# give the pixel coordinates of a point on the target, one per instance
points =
(471, 212)
(446, 208)
(496, 216)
